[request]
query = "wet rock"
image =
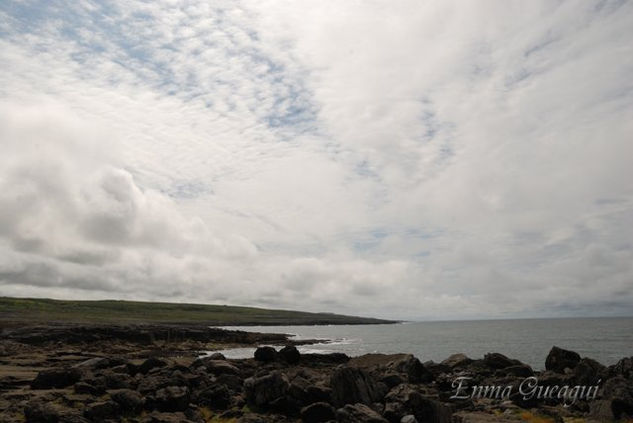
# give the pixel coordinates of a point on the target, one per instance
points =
(559, 359)
(172, 398)
(352, 385)
(358, 413)
(290, 354)
(318, 412)
(266, 391)
(265, 354)
(129, 401)
(102, 410)
(56, 378)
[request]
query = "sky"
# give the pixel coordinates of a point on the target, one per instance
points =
(411, 159)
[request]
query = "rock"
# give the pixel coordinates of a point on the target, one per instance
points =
(221, 367)
(266, 391)
(150, 364)
(172, 398)
(559, 359)
(161, 417)
(619, 392)
(358, 413)
(392, 379)
(39, 412)
(457, 360)
(116, 380)
(86, 388)
(352, 385)
(589, 372)
(412, 368)
(290, 354)
(624, 368)
(405, 399)
(56, 378)
(265, 354)
(409, 418)
(330, 358)
(519, 370)
(499, 361)
(129, 401)
(217, 397)
(318, 412)
(102, 410)
(217, 356)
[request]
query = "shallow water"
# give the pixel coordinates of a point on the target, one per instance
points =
(529, 340)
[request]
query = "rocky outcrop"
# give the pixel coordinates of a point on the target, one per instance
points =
(559, 359)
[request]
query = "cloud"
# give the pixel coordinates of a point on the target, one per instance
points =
(414, 161)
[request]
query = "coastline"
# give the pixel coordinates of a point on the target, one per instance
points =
(153, 373)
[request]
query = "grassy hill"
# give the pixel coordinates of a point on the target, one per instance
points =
(115, 311)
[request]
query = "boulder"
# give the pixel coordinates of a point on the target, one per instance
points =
(412, 368)
(499, 361)
(457, 360)
(102, 410)
(217, 397)
(172, 398)
(150, 364)
(589, 372)
(520, 370)
(221, 367)
(409, 418)
(267, 390)
(619, 392)
(290, 354)
(559, 359)
(318, 412)
(265, 354)
(624, 368)
(40, 412)
(130, 401)
(406, 400)
(56, 378)
(351, 385)
(358, 413)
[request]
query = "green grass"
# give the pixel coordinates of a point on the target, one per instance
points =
(115, 311)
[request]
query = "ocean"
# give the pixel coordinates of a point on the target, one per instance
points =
(529, 340)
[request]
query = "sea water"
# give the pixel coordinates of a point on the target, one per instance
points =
(529, 340)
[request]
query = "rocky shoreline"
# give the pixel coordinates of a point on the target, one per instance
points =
(154, 373)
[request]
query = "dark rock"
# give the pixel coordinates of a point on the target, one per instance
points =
(352, 385)
(619, 392)
(409, 418)
(56, 378)
(520, 370)
(457, 360)
(318, 393)
(624, 368)
(217, 397)
(40, 412)
(358, 413)
(172, 398)
(559, 359)
(129, 401)
(290, 354)
(266, 391)
(162, 417)
(330, 358)
(116, 380)
(265, 354)
(499, 361)
(220, 367)
(412, 368)
(102, 410)
(318, 412)
(589, 372)
(151, 363)
(392, 379)
(406, 400)
(233, 382)
(86, 388)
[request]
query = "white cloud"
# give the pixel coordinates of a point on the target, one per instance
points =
(407, 160)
